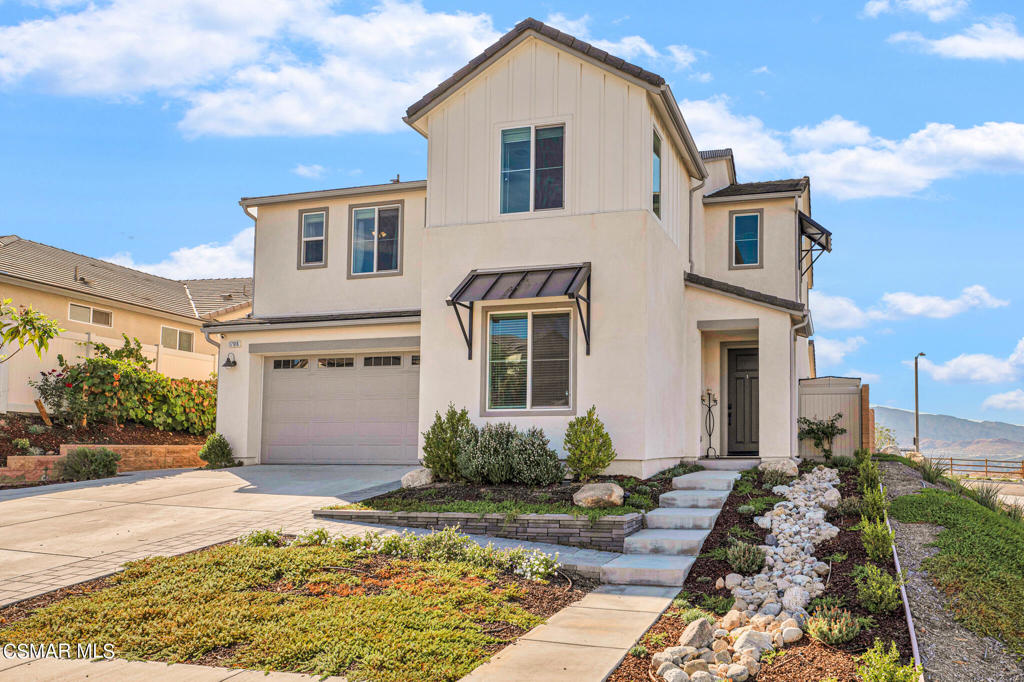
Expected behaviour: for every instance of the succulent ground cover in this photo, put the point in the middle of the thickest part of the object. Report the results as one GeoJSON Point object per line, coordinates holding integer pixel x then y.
{"type": "Point", "coordinates": [331, 609]}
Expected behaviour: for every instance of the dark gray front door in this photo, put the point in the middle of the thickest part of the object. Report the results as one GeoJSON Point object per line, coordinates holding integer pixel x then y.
{"type": "Point", "coordinates": [743, 412]}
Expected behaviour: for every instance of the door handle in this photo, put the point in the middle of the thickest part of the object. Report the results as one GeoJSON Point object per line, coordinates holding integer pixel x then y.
{"type": "Point", "coordinates": [730, 414]}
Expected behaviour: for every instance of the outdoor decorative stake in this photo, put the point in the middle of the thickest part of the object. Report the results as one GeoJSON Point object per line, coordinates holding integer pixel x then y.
{"type": "Point", "coordinates": [708, 400]}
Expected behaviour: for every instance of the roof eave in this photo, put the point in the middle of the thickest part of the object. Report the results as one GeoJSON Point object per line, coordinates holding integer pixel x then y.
{"type": "Point", "coordinates": [341, 192]}
{"type": "Point", "coordinates": [752, 197]}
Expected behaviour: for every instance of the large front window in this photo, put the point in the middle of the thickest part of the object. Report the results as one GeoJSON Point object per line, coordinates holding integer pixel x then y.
{"type": "Point", "coordinates": [375, 239]}
{"type": "Point", "coordinates": [529, 360]}
{"type": "Point", "coordinates": [532, 169]}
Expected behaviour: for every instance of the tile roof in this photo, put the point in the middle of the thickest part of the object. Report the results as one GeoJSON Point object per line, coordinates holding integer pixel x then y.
{"type": "Point", "coordinates": [31, 261]}
{"type": "Point", "coordinates": [767, 187]}
{"type": "Point", "coordinates": [708, 154]}
{"type": "Point", "coordinates": [742, 292]}
{"type": "Point", "coordinates": [318, 317]}
{"type": "Point", "coordinates": [531, 24]}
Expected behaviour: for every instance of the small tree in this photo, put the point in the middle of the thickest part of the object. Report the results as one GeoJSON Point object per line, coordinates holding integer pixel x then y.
{"type": "Point", "coordinates": [25, 327]}
{"type": "Point", "coordinates": [589, 446]}
{"type": "Point", "coordinates": [884, 437]}
{"type": "Point", "coordinates": [444, 439]}
{"type": "Point", "coordinates": [216, 452]}
{"type": "Point", "coordinates": [822, 432]}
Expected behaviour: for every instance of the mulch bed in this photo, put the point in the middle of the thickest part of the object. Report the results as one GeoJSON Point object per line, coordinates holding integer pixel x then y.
{"type": "Point", "coordinates": [807, 659]}
{"type": "Point", "coordinates": [17, 426]}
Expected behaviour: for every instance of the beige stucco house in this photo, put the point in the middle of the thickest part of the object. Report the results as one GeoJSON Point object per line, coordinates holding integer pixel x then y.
{"type": "Point", "coordinates": [570, 247]}
{"type": "Point", "coordinates": [96, 301]}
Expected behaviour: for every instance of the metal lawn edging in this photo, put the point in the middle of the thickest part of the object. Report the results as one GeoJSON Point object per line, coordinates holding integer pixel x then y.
{"type": "Point", "coordinates": [903, 591]}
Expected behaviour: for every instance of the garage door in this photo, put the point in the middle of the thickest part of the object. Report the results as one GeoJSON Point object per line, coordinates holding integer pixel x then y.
{"type": "Point", "coordinates": [341, 409]}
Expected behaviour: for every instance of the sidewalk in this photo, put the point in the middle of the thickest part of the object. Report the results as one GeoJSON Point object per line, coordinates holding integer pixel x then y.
{"type": "Point", "coordinates": [57, 670]}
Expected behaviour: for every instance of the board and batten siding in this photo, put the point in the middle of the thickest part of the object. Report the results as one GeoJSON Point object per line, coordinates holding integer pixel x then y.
{"type": "Point", "coordinates": [821, 398]}
{"type": "Point", "coordinates": [608, 137]}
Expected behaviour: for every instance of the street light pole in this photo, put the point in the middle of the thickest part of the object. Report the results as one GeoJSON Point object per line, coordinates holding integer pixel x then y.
{"type": "Point", "coordinates": [917, 413]}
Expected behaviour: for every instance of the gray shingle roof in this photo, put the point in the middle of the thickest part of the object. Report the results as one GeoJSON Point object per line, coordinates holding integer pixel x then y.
{"type": "Point", "coordinates": [709, 154]}
{"type": "Point", "coordinates": [742, 292]}
{"type": "Point", "coordinates": [34, 262]}
{"type": "Point", "coordinates": [308, 319]}
{"type": "Point", "coordinates": [565, 39]}
{"type": "Point", "coordinates": [767, 187]}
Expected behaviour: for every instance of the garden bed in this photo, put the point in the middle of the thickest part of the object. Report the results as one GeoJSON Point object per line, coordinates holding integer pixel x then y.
{"type": "Point", "coordinates": [805, 659]}
{"type": "Point", "coordinates": [326, 609]}
{"type": "Point", "coordinates": [49, 439]}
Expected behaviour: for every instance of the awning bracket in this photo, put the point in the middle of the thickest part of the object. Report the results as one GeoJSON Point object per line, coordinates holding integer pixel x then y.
{"type": "Point", "coordinates": [584, 316]}
{"type": "Point", "coordinates": [467, 328]}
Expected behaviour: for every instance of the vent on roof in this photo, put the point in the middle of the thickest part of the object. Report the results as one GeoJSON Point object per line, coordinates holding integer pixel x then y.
{"type": "Point", "coordinates": [80, 278]}
{"type": "Point", "coordinates": [226, 297]}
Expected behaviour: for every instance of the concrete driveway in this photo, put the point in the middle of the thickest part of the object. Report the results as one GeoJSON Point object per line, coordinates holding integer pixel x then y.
{"type": "Point", "coordinates": [52, 536]}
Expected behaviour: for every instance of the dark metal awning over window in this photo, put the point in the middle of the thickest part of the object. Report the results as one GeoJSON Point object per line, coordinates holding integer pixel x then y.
{"type": "Point", "coordinates": [514, 283]}
{"type": "Point", "coordinates": [820, 238]}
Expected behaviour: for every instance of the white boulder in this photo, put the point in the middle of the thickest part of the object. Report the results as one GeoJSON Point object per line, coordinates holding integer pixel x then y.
{"type": "Point", "coordinates": [418, 478]}
{"type": "Point", "coordinates": [598, 495]}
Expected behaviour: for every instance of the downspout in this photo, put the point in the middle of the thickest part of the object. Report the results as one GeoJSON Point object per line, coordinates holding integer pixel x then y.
{"type": "Point", "coordinates": [794, 382]}
{"type": "Point", "coordinates": [689, 227]}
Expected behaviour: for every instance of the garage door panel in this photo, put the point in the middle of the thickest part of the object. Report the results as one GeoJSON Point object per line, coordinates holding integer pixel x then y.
{"type": "Point", "coordinates": [343, 415]}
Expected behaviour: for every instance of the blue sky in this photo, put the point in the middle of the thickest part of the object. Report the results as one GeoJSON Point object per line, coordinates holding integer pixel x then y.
{"type": "Point", "coordinates": [128, 130]}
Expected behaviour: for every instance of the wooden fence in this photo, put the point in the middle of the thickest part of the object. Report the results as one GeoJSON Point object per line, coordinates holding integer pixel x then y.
{"type": "Point", "coordinates": [983, 468]}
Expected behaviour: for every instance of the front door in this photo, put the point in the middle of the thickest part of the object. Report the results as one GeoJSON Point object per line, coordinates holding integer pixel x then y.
{"type": "Point", "coordinates": [743, 412]}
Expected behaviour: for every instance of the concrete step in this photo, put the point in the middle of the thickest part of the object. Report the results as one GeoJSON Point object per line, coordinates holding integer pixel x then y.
{"type": "Point", "coordinates": [729, 463]}
{"type": "Point", "coordinates": [693, 498]}
{"type": "Point", "coordinates": [647, 569]}
{"type": "Point", "coordinates": [706, 480]}
{"type": "Point", "coordinates": [665, 541]}
{"type": "Point", "coordinates": [680, 519]}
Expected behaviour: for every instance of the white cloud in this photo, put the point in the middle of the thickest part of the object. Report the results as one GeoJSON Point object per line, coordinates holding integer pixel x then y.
{"type": "Point", "coordinates": [313, 170]}
{"type": "Point", "coordinates": [1011, 400]}
{"type": "Point", "coordinates": [830, 352]}
{"type": "Point", "coordinates": [682, 55]}
{"type": "Point", "coordinates": [935, 10]}
{"type": "Point", "coordinates": [702, 77]}
{"type": "Point", "coordinates": [978, 367]}
{"type": "Point", "coordinates": [840, 312]}
{"type": "Point", "coordinates": [762, 69]}
{"type": "Point", "coordinates": [578, 27]}
{"type": "Point", "coordinates": [714, 125]}
{"type": "Point", "coordinates": [870, 377]}
{"type": "Point", "coordinates": [997, 39]}
{"type": "Point", "coordinates": [213, 259]}
{"type": "Point", "coordinates": [830, 133]}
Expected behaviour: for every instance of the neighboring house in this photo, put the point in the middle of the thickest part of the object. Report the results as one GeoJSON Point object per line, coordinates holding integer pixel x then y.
{"type": "Point", "coordinates": [570, 247]}
{"type": "Point", "coordinates": [97, 301]}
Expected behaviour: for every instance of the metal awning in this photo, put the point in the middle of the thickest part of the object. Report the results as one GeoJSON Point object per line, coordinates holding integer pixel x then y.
{"type": "Point", "coordinates": [514, 283]}
{"type": "Point", "coordinates": [820, 238]}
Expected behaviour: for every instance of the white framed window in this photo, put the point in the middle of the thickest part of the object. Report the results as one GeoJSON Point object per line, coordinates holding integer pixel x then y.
{"type": "Point", "coordinates": [382, 361]}
{"type": "Point", "coordinates": [291, 363]}
{"type": "Point", "coordinates": [746, 249]}
{"type": "Point", "coordinates": [176, 338]}
{"type": "Point", "coordinates": [336, 362]}
{"type": "Point", "coordinates": [656, 175]}
{"type": "Point", "coordinates": [313, 238]}
{"type": "Point", "coordinates": [532, 168]}
{"type": "Point", "coordinates": [376, 236]}
{"type": "Point", "coordinates": [89, 315]}
{"type": "Point", "coordinates": [529, 360]}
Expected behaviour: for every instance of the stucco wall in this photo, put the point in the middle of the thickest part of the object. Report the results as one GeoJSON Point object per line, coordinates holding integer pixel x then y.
{"type": "Point", "coordinates": [282, 288]}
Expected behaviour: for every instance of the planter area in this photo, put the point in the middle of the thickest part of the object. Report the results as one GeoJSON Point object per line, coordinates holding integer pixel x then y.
{"type": "Point", "coordinates": [22, 469]}
{"type": "Point", "coordinates": [798, 617]}
{"type": "Point", "coordinates": [603, 533]}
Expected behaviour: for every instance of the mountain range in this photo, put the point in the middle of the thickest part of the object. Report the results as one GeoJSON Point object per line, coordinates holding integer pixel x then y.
{"type": "Point", "coordinates": [945, 434]}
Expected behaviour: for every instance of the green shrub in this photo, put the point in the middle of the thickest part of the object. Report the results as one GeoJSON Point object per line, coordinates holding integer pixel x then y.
{"type": "Point", "coordinates": [826, 601]}
{"type": "Point", "coordinates": [588, 445]}
{"type": "Point", "coordinates": [763, 504]}
{"type": "Point", "coordinates": [987, 495]}
{"type": "Point", "coordinates": [832, 625]}
{"type": "Point", "coordinates": [773, 477]}
{"type": "Point", "coordinates": [1015, 512]}
{"type": "Point", "coordinates": [877, 591]}
{"type": "Point", "coordinates": [746, 509]}
{"type": "Point", "coordinates": [491, 460]}
{"type": "Point", "coordinates": [22, 444]}
{"type": "Point", "coordinates": [717, 604]}
{"type": "Point", "coordinates": [318, 537]}
{"type": "Point", "coordinates": [843, 463]}
{"type": "Point", "coordinates": [821, 432]}
{"type": "Point", "coordinates": [861, 455]}
{"type": "Point", "coordinates": [640, 651]}
{"type": "Point", "coordinates": [848, 506]}
{"type": "Point", "coordinates": [932, 470]}
{"type": "Point", "coordinates": [445, 438]}
{"type": "Point", "coordinates": [262, 538]}
{"type": "Point", "coordinates": [868, 475]}
{"type": "Point", "coordinates": [533, 461]}
{"type": "Point", "coordinates": [880, 665]}
{"type": "Point", "coordinates": [745, 558]}
{"type": "Point", "coordinates": [87, 464]}
{"type": "Point", "coordinates": [877, 539]}
{"type": "Point", "coordinates": [36, 429]}
{"type": "Point", "coordinates": [874, 505]}
{"type": "Point", "coordinates": [216, 452]}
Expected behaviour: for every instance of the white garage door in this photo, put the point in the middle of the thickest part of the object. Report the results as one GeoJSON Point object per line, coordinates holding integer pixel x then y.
{"type": "Point", "coordinates": [341, 408]}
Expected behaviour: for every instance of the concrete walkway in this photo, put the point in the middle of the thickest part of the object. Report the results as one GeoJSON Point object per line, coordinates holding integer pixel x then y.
{"type": "Point", "coordinates": [62, 670]}
{"type": "Point", "coordinates": [60, 535]}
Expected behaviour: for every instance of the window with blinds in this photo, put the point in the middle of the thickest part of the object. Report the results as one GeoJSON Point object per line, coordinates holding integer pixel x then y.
{"type": "Point", "coordinates": [529, 360]}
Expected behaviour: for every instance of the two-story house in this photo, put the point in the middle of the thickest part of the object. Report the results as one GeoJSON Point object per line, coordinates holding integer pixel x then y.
{"type": "Point", "coordinates": [570, 247]}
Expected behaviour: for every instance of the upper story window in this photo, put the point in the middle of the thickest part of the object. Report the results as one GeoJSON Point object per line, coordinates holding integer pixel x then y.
{"type": "Point", "coordinates": [176, 338]}
{"type": "Point", "coordinates": [313, 238]}
{"type": "Point", "coordinates": [90, 315]}
{"type": "Point", "coordinates": [745, 239]}
{"type": "Point", "coordinates": [376, 233]}
{"type": "Point", "coordinates": [532, 168]}
{"type": "Point", "coordinates": [656, 176]}
{"type": "Point", "coordinates": [529, 361]}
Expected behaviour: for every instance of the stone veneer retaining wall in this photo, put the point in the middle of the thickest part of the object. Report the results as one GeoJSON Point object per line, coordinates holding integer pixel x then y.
{"type": "Point", "coordinates": [32, 468]}
{"type": "Point", "coordinates": [605, 533]}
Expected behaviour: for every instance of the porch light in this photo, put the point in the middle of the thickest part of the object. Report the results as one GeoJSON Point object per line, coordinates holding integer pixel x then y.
{"type": "Point", "coordinates": [230, 361]}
